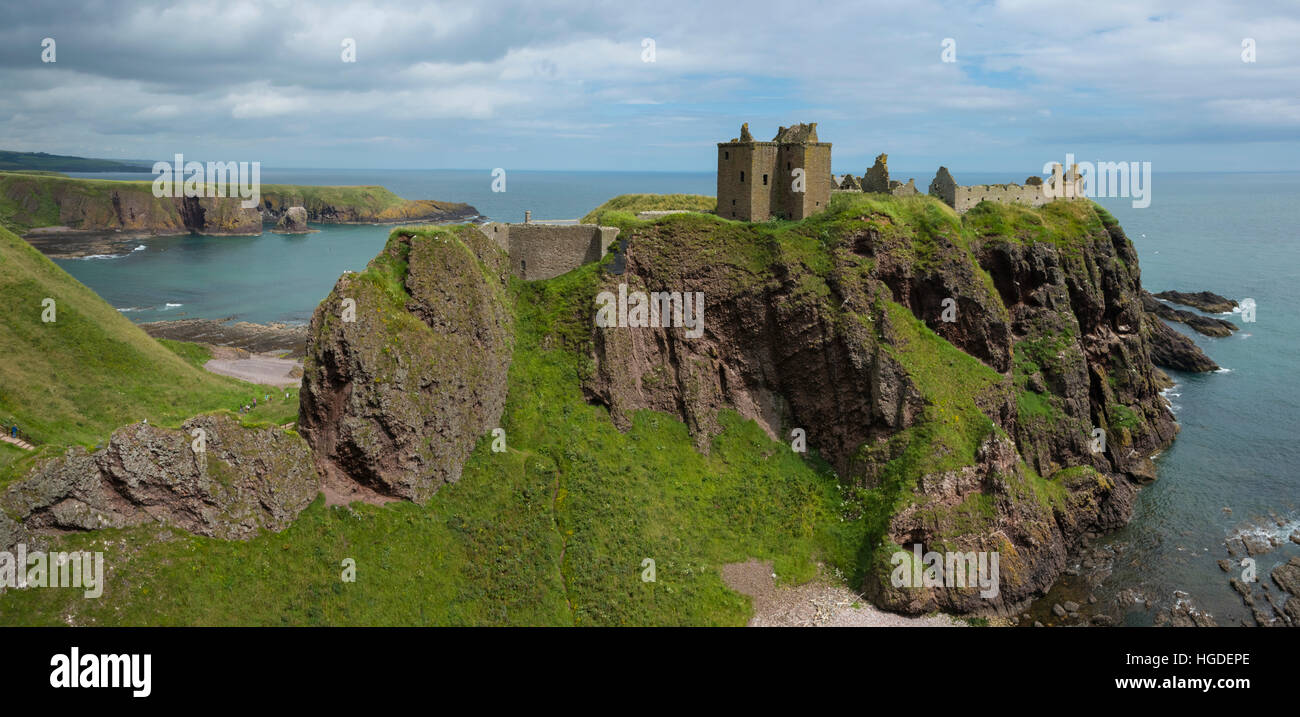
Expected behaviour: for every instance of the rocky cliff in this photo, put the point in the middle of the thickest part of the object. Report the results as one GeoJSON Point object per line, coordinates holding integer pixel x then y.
{"type": "Point", "coordinates": [406, 365]}
{"type": "Point", "coordinates": [92, 205]}
{"type": "Point", "coordinates": [953, 370]}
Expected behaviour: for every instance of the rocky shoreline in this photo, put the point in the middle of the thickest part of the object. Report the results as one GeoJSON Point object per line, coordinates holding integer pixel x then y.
{"type": "Point", "coordinates": [289, 340]}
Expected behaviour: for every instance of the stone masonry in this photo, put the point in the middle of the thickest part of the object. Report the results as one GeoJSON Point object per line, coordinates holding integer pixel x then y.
{"type": "Point", "coordinates": [545, 251]}
{"type": "Point", "coordinates": [758, 181]}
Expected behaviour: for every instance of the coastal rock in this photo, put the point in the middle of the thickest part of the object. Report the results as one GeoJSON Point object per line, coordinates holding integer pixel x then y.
{"type": "Point", "coordinates": [293, 221]}
{"type": "Point", "coordinates": [245, 481]}
{"type": "Point", "coordinates": [89, 208]}
{"type": "Point", "coordinates": [1256, 544]}
{"type": "Point", "coordinates": [1287, 577]}
{"type": "Point", "coordinates": [1207, 325]}
{"type": "Point", "coordinates": [838, 362]}
{"type": "Point", "coordinates": [1206, 301]}
{"type": "Point", "coordinates": [406, 366]}
{"type": "Point", "coordinates": [1171, 349]}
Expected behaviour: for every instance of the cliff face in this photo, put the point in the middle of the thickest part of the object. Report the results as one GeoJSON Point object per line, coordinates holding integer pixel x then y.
{"type": "Point", "coordinates": [105, 205]}
{"type": "Point", "coordinates": [965, 431]}
{"type": "Point", "coordinates": [399, 386]}
{"type": "Point", "coordinates": [246, 481]}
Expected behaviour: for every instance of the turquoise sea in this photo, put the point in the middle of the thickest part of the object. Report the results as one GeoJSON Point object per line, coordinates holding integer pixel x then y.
{"type": "Point", "coordinates": [1233, 234]}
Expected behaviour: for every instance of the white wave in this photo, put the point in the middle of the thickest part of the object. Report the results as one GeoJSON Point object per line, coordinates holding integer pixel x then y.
{"type": "Point", "coordinates": [102, 256]}
{"type": "Point", "coordinates": [1224, 370]}
{"type": "Point", "coordinates": [139, 248]}
{"type": "Point", "coordinates": [170, 305]}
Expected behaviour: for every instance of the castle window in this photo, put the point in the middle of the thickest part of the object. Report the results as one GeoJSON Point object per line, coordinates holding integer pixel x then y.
{"type": "Point", "coordinates": [742, 176]}
{"type": "Point", "coordinates": [726, 155]}
{"type": "Point", "coordinates": [764, 180]}
{"type": "Point", "coordinates": [733, 202]}
{"type": "Point", "coordinates": [787, 165]}
{"type": "Point", "coordinates": [523, 267]}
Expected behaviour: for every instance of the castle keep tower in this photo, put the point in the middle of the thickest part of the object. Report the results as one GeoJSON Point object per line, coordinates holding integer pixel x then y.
{"type": "Point", "coordinates": [757, 180]}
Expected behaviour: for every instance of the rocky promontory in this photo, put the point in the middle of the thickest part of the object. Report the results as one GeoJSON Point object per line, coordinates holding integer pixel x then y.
{"type": "Point", "coordinates": [70, 208]}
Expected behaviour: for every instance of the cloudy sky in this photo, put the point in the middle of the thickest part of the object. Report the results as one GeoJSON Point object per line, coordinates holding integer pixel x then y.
{"type": "Point", "coordinates": [565, 85]}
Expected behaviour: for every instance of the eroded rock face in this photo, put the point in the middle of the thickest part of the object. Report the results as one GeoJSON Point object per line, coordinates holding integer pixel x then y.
{"type": "Point", "coordinates": [394, 400]}
{"type": "Point", "coordinates": [1060, 329]}
{"type": "Point", "coordinates": [294, 221]}
{"type": "Point", "coordinates": [244, 482]}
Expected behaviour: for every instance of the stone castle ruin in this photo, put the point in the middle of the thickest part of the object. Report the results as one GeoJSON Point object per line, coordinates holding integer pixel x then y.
{"type": "Point", "coordinates": [787, 178]}
{"type": "Point", "coordinates": [1031, 193]}
{"type": "Point", "coordinates": [542, 250]}
{"type": "Point", "coordinates": [757, 180]}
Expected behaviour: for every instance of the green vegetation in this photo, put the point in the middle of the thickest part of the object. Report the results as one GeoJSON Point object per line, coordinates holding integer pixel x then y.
{"type": "Point", "coordinates": [194, 354]}
{"type": "Point", "coordinates": [555, 530]}
{"type": "Point", "coordinates": [45, 163]}
{"type": "Point", "coordinates": [1068, 224]}
{"type": "Point", "coordinates": [76, 379]}
{"type": "Point", "coordinates": [552, 532]}
{"type": "Point", "coordinates": [630, 204]}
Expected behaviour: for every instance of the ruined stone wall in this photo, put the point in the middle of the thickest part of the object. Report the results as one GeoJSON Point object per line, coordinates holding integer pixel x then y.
{"type": "Point", "coordinates": [545, 251]}
{"type": "Point", "coordinates": [967, 197]}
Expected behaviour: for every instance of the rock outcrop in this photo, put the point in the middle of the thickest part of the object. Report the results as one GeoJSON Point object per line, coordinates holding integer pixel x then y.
{"type": "Point", "coordinates": [74, 206]}
{"type": "Point", "coordinates": [981, 442]}
{"type": "Point", "coordinates": [406, 366]}
{"type": "Point", "coordinates": [293, 221]}
{"type": "Point", "coordinates": [243, 482]}
{"type": "Point", "coordinates": [1171, 349]}
{"type": "Point", "coordinates": [1207, 325]}
{"type": "Point", "coordinates": [1206, 301]}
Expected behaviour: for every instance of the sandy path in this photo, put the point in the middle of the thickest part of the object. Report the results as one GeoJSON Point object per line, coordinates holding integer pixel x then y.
{"type": "Point", "coordinates": [258, 368]}
{"type": "Point", "coordinates": [813, 604]}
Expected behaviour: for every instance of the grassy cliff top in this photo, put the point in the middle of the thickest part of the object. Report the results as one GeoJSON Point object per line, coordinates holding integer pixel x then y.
{"type": "Point", "coordinates": [630, 204]}
{"type": "Point", "coordinates": [33, 199]}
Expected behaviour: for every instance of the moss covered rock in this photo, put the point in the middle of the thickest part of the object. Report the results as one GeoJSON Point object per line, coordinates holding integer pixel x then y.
{"type": "Point", "coordinates": [406, 365]}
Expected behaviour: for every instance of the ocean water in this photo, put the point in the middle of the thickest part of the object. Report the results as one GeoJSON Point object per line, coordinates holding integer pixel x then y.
{"type": "Point", "coordinates": [1233, 234]}
{"type": "Point", "coordinates": [275, 277]}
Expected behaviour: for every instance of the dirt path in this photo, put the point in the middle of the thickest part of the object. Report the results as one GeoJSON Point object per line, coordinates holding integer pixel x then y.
{"type": "Point", "coordinates": [259, 368]}
{"type": "Point", "coordinates": [18, 442]}
{"type": "Point", "coordinates": [814, 604]}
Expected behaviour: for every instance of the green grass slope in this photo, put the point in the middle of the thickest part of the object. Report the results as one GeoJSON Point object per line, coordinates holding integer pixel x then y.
{"type": "Point", "coordinates": [630, 204]}
{"type": "Point", "coordinates": [74, 380]}
{"type": "Point", "coordinates": [554, 531]}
